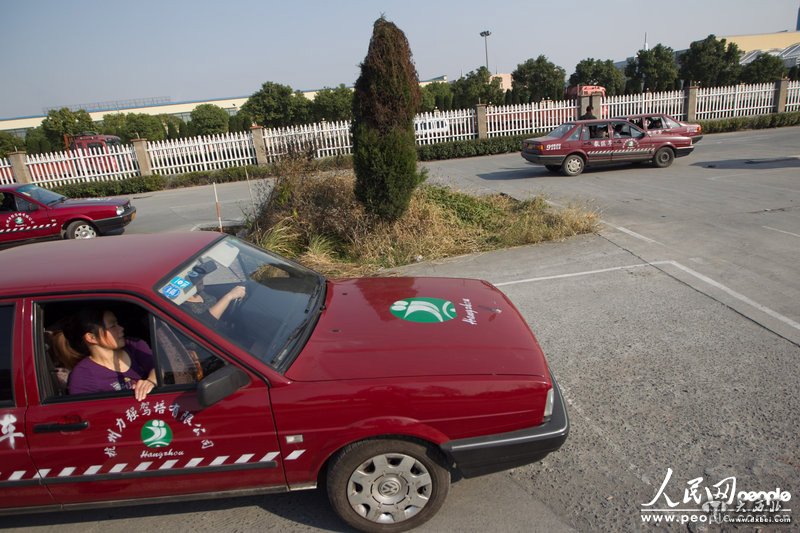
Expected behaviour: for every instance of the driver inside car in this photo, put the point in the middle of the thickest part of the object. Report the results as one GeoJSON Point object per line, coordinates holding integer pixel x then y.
{"type": "Point", "coordinates": [202, 303]}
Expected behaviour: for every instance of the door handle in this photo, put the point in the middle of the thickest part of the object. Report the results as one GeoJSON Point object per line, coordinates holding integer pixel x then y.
{"type": "Point", "coordinates": [57, 428]}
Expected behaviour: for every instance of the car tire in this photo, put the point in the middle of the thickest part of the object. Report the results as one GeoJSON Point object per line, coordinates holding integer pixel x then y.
{"type": "Point", "coordinates": [664, 157]}
{"type": "Point", "coordinates": [387, 485]}
{"type": "Point", "coordinates": [80, 229]}
{"type": "Point", "coordinates": [553, 168]}
{"type": "Point", "coordinates": [572, 165]}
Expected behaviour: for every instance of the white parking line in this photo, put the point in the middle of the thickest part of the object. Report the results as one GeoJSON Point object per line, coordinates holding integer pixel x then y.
{"type": "Point", "coordinates": [742, 298]}
{"type": "Point", "coordinates": [781, 231]}
{"type": "Point", "coordinates": [632, 233]}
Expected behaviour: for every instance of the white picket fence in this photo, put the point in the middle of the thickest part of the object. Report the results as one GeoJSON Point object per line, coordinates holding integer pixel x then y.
{"type": "Point", "coordinates": [212, 152]}
{"type": "Point", "coordinates": [75, 166]}
{"type": "Point", "coordinates": [527, 118]}
{"type": "Point", "coordinates": [6, 172]}
{"type": "Point", "coordinates": [793, 96]}
{"type": "Point", "coordinates": [735, 101]}
{"type": "Point", "coordinates": [672, 103]}
{"type": "Point", "coordinates": [445, 126]}
{"type": "Point", "coordinates": [326, 139]}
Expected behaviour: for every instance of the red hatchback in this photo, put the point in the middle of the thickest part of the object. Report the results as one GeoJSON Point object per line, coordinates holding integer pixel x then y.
{"type": "Point", "coordinates": [254, 374]}
{"type": "Point", "coordinates": [29, 212]}
{"type": "Point", "coordinates": [575, 145]}
{"type": "Point", "coordinates": [661, 124]}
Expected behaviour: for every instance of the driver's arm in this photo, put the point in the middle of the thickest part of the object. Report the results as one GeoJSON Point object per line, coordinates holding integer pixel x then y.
{"type": "Point", "coordinates": [222, 304]}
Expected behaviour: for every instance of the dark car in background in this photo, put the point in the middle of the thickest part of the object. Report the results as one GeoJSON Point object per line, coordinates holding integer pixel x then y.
{"type": "Point", "coordinates": [661, 124]}
{"type": "Point", "coordinates": [575, 145]}
{"type": "Point", "coordinates": [29, 212]}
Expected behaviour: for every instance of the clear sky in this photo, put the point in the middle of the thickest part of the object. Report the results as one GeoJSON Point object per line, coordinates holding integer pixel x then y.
{"type": "Point", "coordinates": [67, 52]}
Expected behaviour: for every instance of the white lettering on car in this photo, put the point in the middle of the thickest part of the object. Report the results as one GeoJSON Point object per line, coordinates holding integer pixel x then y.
{"type": "Point", "coordinates": [556, 146]}
{"type": "Point", "coordinates": [9, 431]}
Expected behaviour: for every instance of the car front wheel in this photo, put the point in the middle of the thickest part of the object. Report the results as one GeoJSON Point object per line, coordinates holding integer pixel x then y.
{"type": "Point", "coordinates": [80, 229]}
{"type": "Point", "coordinates": [663, 158]}
{"type": "Point", "coordinates": [386, 486]}
{"type": "Point", "coordinates": [572, 165]}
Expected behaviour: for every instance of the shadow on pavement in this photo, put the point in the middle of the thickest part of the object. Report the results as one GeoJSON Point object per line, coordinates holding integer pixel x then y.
{"type": "Point", "coordinates": [752, 164]}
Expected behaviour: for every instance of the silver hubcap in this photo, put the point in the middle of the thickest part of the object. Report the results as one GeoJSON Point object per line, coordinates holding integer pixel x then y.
{"type": "Point", "coordinates": [389, 488]}
{"type": "Point", "coordinates": [574, 165]}
{"type": "Point", "coordinates": [85, 231]}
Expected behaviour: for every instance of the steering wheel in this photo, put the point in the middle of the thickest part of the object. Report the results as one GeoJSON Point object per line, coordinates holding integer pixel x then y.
{"type": "Point", "coordinates": [230, 316]}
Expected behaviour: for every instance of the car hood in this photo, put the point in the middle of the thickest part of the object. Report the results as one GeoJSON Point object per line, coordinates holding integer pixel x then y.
{"type": "Point", "coordinates": [396, 327]}
{"type": "Point", "coordinates": [90, 202]}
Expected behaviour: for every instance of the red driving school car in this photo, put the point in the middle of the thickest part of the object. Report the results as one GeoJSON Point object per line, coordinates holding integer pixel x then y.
{"type": "Point", "coordinates": [255, 374]}
{"type": "Point", "coordinates": [29, 212]}
{"type": "Point", "coordinates": [576, 145]}
{"type": "Point", "coordinates": [659, 123]}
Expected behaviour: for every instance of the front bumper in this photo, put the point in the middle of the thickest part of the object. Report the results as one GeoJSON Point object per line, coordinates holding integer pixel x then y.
{"type": "Point", "coordinates": [477, 456]}
{"type": "Point", "coordinates": [114, 225]}
{"type": "Point", "coordinates": [539, 159]}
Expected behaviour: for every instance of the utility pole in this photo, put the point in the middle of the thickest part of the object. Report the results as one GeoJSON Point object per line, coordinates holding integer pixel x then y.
{"type": "Point", "coordinates": [485, 34]}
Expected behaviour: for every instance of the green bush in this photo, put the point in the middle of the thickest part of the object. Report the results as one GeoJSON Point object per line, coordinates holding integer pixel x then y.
{"type": "Point", "coordinates": [773, 120]}
{"type": "Point", "coordinates": [472, 148]}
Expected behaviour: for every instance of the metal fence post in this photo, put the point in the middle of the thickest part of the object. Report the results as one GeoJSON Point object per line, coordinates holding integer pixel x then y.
{"type": "Point", "coordinates": [691, 103]}
{"type": "Point", "coordinates": [261, 148]}
{"type": "Point", "coordinates": [140, 151]}
{"type": "Point", "coordinates": [781, 95]}
{"type": "Point", "coordinates": [21, 174]}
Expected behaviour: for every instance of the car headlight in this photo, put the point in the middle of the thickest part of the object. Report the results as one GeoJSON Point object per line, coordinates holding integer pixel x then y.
{"type": "Point", "coordinates": [120, 209]}
{"type": "Point", "coordinates": [548, 405]}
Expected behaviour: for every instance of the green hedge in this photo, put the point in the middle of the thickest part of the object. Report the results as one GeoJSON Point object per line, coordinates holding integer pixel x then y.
{"type": "Point", "coordinates": [431, 152]}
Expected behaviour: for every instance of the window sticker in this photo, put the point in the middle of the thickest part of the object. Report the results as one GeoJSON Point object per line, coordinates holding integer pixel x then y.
{"type": "Point", "coordinates": [171, 291]}
{"type": "Point", "coordinates": [181, 283]}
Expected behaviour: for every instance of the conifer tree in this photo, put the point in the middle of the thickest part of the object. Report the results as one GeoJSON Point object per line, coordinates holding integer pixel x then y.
{"type": "Point", "coordinates": [386, 99]}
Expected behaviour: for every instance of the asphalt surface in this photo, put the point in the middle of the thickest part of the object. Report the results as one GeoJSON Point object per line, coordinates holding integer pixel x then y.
{"type": "Point", "coordinates": [674, 333]}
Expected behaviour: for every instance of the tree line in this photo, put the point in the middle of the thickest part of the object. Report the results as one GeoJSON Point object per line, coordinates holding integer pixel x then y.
{"type": "Point", "coordinates": [710, 62]}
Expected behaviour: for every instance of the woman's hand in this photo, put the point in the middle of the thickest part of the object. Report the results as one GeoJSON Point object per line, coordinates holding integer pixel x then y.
{"type": "Point", "coordinates": [142, 388]}
{"type": "Point", "coordinates": [237, 293]}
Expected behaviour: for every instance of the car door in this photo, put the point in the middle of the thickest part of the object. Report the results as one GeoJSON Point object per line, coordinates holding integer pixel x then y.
{"type": "Point", "coordinates": [19, 477]}
{"type": "Point", "coordinates": [628, 143]}
{"type": "Point", "coordinates": [109, 446]}
{"type": "Point", "coordinates": [596, 143]}
{"type": "Point", "coordinates": [24, 218]}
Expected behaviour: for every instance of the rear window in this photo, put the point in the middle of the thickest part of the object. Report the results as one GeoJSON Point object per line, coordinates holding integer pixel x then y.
{"type": "Point", "coordinates": [6, 335]}
{"type": "Point", "coordinates": [560, 131]}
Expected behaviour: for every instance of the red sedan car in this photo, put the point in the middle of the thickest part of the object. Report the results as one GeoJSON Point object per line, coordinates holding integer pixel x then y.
{"type": "Point", "coordinates": [659, 123]}
{"type": "Point", "coordinates": [575, 145]}
{"type": "Point", "coordinates": [29, 212]}
{"type": "Point", "coordinates": [263, 377]}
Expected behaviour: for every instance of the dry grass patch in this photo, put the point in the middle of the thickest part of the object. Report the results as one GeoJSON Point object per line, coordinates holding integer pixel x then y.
{"type": "Point", "coordinates": [317, 221]}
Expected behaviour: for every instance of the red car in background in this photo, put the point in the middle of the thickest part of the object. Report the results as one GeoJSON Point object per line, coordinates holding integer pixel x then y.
{"type": "Point", "coordinates": [378, 388]}
{"type": "Point", "coordinates": [575, 145]}
{"type": "Point", "coordinates": [29, 212]}
{"type": "Point", "coordinates": [659, 123]}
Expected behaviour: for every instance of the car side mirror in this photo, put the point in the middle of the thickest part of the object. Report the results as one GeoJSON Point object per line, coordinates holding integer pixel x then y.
{"type": "Point", "coordinates": [221, 384]}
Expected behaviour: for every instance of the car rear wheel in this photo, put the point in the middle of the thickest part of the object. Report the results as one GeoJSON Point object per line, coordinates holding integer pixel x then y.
{"type": "Point", "coordinates": [664, 157]}
{"type": "Point", "coordinates": [80, 229]}
{"type": "Point", "coordinates": [386, 486]}
{"type": "Point", "coordinates": [553, 168]}
{"type": "Point", "coordinates": [572, 165]}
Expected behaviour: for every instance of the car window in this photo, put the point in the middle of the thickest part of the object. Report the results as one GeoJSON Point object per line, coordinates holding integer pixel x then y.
{"type": "Point", "coordinates": [39, 194]}
{"type": "Point", "coordinates": [6, 351]}
{"type": "Point", "coordinates": [575, 134]}
{"type": "Point", "coordinates": [149, 341]}
{"type": "Point", "coordinates": [7, 202]}
{"type": "Point", "coordinates": [622, 130]}
{"type": "Point", "coordinates": [257, 300]}
{"type": "Point", "coordinates": [560, 131]}
{"type": "Point", "coordinates": [598, 131]}
{"type": "Point", "coordinates": [654, 123]}
{"type": "Point", "coordinates": [669, 123]}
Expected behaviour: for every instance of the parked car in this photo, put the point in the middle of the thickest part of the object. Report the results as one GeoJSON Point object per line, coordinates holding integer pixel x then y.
{"type": "Point", "coordinates": [659, 123]}
{"type": "Point", "coordinates": [29, 212]}
{"type": "Point", "coordinates": [575, 145]}
{"type": "Point", "coordinates": [380, 388]}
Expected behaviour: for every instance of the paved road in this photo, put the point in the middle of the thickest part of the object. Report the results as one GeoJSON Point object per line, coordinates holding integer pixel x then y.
{"type": "Point", "coordinates": [673, 333]}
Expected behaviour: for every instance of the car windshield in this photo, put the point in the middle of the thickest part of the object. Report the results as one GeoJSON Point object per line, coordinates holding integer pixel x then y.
{"type": "Point", "coordinates": [263, 303]}
{"type": "Point", "coordinates": [41, 195]}
{"type": "Point", "coordinates": [560, 131]}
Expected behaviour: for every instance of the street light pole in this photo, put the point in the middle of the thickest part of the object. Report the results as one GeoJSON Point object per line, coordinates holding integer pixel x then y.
{"type": "Point", "coordinates": [485, 34]}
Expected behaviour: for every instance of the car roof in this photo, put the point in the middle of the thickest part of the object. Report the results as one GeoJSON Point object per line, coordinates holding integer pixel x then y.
{"type": "Point", "coordinates": [11, 186]}
{"type": "Point", "coordinates": [123, 263]}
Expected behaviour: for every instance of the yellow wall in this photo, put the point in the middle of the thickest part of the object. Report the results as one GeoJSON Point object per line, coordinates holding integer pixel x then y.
{"type": "Point", "coordinates": [764, 41]}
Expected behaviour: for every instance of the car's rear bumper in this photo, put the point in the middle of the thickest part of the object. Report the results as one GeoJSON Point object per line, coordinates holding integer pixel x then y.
{"type": "Point", "coordinates": [696, 139]}
{"type": "Point", "coordinates": [113, 225]}
{"type": "Point", "coordinates": [543, 159]}
{"type": "Point", "coordinates": [684, 150]}
{"type": "Point", "coordinates": [493, 453]}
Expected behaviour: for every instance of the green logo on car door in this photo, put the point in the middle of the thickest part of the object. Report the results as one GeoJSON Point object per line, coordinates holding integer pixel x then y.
{"type": "Point", "coordinates": [426, 310]}
{"type": "Point", "coordinates": [156, 434]}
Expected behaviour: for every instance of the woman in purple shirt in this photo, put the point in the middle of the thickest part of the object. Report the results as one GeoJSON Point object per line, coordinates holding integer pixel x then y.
{"type": "Point", "coordinates": [112, 363]}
